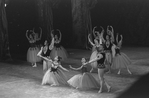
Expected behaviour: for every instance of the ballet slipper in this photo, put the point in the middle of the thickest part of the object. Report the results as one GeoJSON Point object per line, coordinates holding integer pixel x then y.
{"type": "Point", "coordinates": [119, 72]}
{"type": "Point", "coordinates": [100, 91]}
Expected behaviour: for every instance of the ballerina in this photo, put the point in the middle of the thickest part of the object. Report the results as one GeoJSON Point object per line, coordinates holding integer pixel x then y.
{"type": "Point", "coordinates": [32, 51]}
{"type": "Point", "coordinates": [38, 45]}
{"type": "Point", "coordinates": [120, 60]}
{"type": "Point", "coordinates": [84, 80]}
{"type": "Point", "coordinates": [55, 75]}
{"type": "Point", "coordinates": [58, 50]}
{"type": "Point", "coordinates": [94, 52]}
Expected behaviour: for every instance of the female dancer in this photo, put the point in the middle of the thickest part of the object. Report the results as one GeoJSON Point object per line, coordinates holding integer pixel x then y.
{"type": "Point", "coordinates": [32, 51]}
{"type": "Point", "coordinates": [58, 50]}
{"type": "Point", "coordinates": [110, 33]}
{"type": "Point", "coordinates": [120, 60]}
{"type": "Point", "coordinates": [94, 52]}
{"type": "Point", "coordinates": [100, 59]}
{"type": "Point", "coordinates": [38, 45]}
{"type": "Point", "coordinates": [45, 53]}
{"type": "Point", "coordinates": [84, 80]}
{"type": "Point", "coordinates": [55, 75]}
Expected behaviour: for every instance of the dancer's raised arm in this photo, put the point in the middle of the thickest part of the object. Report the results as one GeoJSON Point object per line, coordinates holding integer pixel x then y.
{"type": "Point", "coordinates": [117, 38]}
{"type": "Point", "coordinates": [94, 31]}
{"type": "Point", "coordinates": [112, 34]}
{"type": "Point", "coordinates": [90, 40]}
{"type": "Point", "coordinates": [60, 35]}
{"type": "Point", "coordinates": [40, 33]}
{"type": "Point", "coordinates": [27, 35]}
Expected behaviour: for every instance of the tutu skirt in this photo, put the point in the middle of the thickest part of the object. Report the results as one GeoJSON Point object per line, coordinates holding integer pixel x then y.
{"type": "Point", "coordinates": [121, 61]}
{"type": "Point", "coordinates": [46, 65]}
{"type": "Point", "coordinates": [54, 78]}
{"type": "Point", "coordinates": [83, 81]}
{"type": "Point", "coordinates": [93, 56]}
{"type": "Point", "coordinates": [32, 54]}
{"type": "Point", "coordinates": [59, 52]}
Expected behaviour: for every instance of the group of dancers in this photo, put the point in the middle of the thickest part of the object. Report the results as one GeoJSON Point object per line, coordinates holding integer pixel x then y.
{"type": "Point", "coordinates": [35, 37]}
{"type": "Point", "coordinates": [105, 55]}
{"type": "Point", "coordinates": [115, 59]}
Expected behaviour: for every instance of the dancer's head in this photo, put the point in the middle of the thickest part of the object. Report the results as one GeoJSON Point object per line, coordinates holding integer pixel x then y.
{"type": "Point", "coordinates": [45, 42]}
{"type": "Point", "coordinates": [83, 60]}
{"type": "Point", "coordinates": [58, 58]}
{"type": "Point", "coordinates": [107, 37]}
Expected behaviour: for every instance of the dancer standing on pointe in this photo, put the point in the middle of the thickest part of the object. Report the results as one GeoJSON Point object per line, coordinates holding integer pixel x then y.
{"type": "Point", "coordinates": [84, 80]}
{"type": "Point", "coordinates": [58, 50]}
{"type": "Point", "coordinates": [100, 59]}
{"type": "Point", "coordinates": [120, 60]}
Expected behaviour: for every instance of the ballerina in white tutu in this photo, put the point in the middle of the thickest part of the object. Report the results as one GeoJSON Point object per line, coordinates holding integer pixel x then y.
{"type": "Point", "coordinates": [37, 43]}
{"type": "Point", "coordinates": [58, 49]}
{"type": "Point", "coordinates": [83, 80]}
{"type": "Point", "coordinates": [55, 75]}
{"type": "Point", "coordinates": [121, 60]}
{"type": "Point", "coordinates": [32, 51]}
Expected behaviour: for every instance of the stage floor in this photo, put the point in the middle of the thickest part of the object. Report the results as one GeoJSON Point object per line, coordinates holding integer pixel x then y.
{"type": "Point", "coordinates": [18, 79]}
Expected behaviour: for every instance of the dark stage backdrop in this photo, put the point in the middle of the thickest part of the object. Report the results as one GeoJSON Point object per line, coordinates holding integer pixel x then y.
{"type": "Point", "coordinates": [128, 17]}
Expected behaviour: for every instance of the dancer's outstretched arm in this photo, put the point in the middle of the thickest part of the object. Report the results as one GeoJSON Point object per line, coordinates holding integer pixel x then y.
{"type": "Point", "coordinates": [75, 68]}
{"type": "Point", "coordinates": [63, 68]}
{"type": "Point", "coordinates": [99, 56]}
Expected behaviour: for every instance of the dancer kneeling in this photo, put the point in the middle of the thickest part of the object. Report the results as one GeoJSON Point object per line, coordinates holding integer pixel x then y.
{"type": "Point", "coordinates": [84, 80]}
{"type": "Point", "coordinates": [55, 75]}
